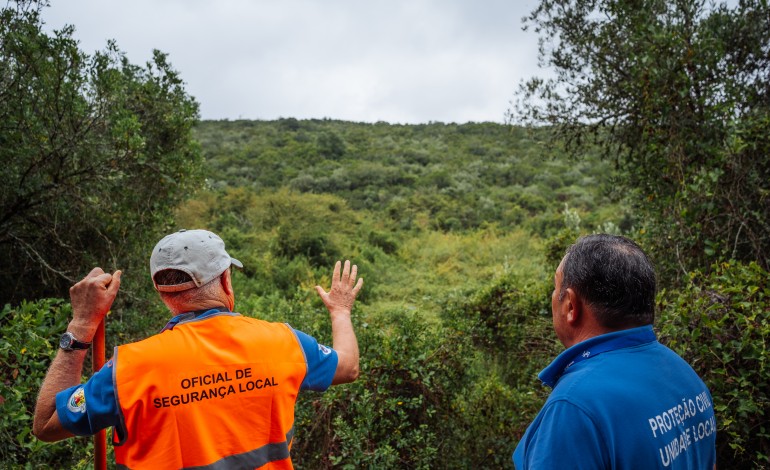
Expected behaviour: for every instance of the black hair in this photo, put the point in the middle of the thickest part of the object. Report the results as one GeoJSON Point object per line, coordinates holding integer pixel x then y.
{"type": "Point", "coordinates": [171, 277]}
{"type": "Point", "coordinates": [614, 277]}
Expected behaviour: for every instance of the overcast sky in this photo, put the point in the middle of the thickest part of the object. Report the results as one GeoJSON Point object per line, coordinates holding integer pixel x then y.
{"type": "Point", "coordinates": [400, 61]}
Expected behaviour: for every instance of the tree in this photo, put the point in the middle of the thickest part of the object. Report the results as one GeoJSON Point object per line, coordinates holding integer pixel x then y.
{"type": "Point", "coordinates": [96, 153]}
{"type": "Point", "coordinates": [678, 93]}
{"type": "Point", "coordinates": [331, 145]}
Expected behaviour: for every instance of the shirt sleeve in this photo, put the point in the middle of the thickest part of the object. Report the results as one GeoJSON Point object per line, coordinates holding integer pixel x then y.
{"type": "Point", "coordinates": [90, 407]}
{"type": "Point", "coordinates": [321, 363]}
{"type": "Point", "coordinates": [562, 432]}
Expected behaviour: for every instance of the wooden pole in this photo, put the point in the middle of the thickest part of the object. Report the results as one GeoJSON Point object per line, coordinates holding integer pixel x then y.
{"type": "Point", "coordinates": [97, 361]}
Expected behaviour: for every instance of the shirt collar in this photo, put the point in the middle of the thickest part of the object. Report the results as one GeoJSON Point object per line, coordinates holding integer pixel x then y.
{"type": "Point", "coordinates": [194, 315]}
{"type": "Point", "coordinates": [592, 347]}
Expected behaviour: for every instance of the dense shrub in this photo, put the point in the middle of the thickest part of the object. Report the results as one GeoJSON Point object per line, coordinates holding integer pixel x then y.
{"type": "Point", "coordinates": [28, 342]}
{"type": "Point", "coordinates": [507, 327]}
{"type": "Point", "coordinates": [392, 416]}
{"type": "Point", "coordinates": [720, 323]}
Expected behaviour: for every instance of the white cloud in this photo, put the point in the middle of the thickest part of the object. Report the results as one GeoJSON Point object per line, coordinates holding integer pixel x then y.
{"type": "Point", "coordinates": [396, 61]}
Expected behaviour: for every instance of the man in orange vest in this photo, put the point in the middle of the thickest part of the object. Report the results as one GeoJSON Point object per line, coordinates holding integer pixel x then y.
{"type": "Point", "coordinates": [213, 389]}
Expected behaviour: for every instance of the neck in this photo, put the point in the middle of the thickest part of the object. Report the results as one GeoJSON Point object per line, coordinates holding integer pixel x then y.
{"type": "Point", "coordinates": [586, 329]}
{"type": "Point", "coordinates": [206, 305]}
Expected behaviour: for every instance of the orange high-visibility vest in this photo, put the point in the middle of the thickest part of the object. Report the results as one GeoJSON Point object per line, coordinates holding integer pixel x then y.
{"type": "Point", "coordinates": [217, 392]}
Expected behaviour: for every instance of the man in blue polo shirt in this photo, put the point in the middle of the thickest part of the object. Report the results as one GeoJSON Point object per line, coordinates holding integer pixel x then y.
{"type": "Point", "coordinates": [620, 399]}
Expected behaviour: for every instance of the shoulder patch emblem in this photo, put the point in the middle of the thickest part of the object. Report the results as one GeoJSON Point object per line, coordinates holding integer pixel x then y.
{"type": "Point", "coordinates": [77, 401]}
{"type": "Point", "coordinates": [324, 349]}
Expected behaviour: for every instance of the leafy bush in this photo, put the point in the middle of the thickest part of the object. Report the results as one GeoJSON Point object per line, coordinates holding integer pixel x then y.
{"type": "Point", "coordinates": [28, 342]}
{"type": "Point", "coordinates": [720, 323]}
{"type": "Point", "coordinates": [301, 241]}
{"type": "Point", "coordinates": [392, 416]}
{"type": "Point", "coordinates": [509, 337]}
{"type": "Point", "coordinates": [384, 241]}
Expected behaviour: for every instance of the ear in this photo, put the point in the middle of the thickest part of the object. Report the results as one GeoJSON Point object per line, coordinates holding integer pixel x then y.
{"type": "Point", "coordinates": [227, 289]}
{"type": "Point", "coordinates": [574, 307]}
{"type": "Point", "coordinates": [227, 282]}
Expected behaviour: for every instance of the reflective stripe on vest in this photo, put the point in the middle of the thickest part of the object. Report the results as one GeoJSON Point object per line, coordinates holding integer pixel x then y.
{"type": "Point", "coordinates": [253, 459]}
{"type": "Point", "coordinates": [217, 393]}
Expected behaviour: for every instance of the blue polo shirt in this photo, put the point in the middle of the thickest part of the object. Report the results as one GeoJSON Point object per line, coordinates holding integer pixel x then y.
{"type": "Point", "coordinates": [624, 401]}
{"type": "Point", "coordinates": [88, 408]}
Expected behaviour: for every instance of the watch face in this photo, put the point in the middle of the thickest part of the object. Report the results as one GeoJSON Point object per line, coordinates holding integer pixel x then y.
{"type": "Point", "coordinates": [65, 341]}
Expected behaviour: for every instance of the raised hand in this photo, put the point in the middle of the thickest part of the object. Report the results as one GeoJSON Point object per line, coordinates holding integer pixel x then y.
{"type": "Point", "coordinates": [339, 301]}
{"type": "Point", "coordinates": [340, 298]}
{"type": "Point", "coordinates": [91, 299]}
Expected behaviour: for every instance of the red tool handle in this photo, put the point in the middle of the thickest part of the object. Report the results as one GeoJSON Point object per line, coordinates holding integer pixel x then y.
{"type": "Point", "coordinates": [97, 361]}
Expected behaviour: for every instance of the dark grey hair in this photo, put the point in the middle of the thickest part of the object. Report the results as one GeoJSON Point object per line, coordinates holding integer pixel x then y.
{"type": "Point", "coordinates": [170, 277]}
{"type": "Point", "coordinates": [614, 277]}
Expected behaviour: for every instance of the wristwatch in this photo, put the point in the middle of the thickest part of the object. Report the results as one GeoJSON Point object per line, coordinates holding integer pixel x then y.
{"type": "Point", "coordinates": [68, 342]}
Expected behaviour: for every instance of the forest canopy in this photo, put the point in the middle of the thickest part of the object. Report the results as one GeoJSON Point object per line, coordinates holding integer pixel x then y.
{"type": "Point", "coordinates": [678, 94]}
{"type": "Point", "coordinates": [92, 148]}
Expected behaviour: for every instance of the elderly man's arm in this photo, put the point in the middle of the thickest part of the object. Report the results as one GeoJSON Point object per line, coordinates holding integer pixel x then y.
{"type": "Point", "coordinates": [91, 299]}
{"type": "Point", "coordinates": [339, 301]}
{"type": "Point", "coordinates": [65, 372]}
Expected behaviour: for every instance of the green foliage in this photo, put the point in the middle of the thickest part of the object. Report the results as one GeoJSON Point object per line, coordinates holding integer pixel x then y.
{"type": "Point", "coordinates": [489, 418]}
{"type": "Point", "coordinates": [508, 339]}
{"type": "Point", "coordinates": [389, 418]}
{"type": "Point", "coordinates": [720, 323]}
{"type": "Point", "coordinates": [425, 399]}
{"type": "Point", "coordinates": [28, 341]}
{"type": "Point", "coordinates": [436, 176]}
{"type": "Point", "coordinates": [677, 94]}
{"type": "Point", "coordinates": [383, 241]}
{"type": "Point", "coordinates": [330, 145]}
{"type": "Point", "coordinates": [92, 148]}
{"type": "Point", "coordinates": [492, 317]}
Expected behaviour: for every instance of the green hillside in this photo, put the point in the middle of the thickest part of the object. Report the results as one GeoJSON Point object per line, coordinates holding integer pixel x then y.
{"type": "Point", "coordinates": [424, 209]}
{"type": "Point", "coordinates": [432, 176]}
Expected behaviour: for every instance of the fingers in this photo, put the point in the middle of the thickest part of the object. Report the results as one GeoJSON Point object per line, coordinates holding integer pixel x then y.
{"type": "Point", "coordinates": [103, 280]}
{"type": "Point", "coordinates": [344, 276]}
{"type": "Point", "coordinates": [98, 278]}
{"type": "Point", "coordinates": [346, 271]}
{"type": "Point", "coordinates": [96, 272]}
{"type": "Point", "coordinates": [336, 274]}
{"type": "Point", "coordinates": [358, 287]}
{"type": "Point", "coordinates": [321, 291]}
{"type": "Point", "coordinates": [114, 283]}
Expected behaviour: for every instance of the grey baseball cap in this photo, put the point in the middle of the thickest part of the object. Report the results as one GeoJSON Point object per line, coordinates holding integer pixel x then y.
{"type": "Point", "coordinates": [199, 253]}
